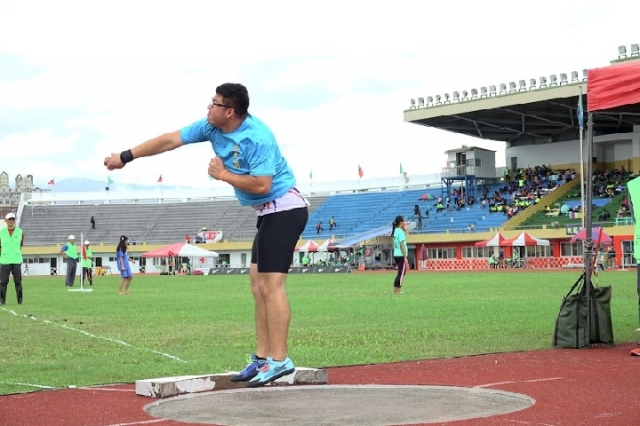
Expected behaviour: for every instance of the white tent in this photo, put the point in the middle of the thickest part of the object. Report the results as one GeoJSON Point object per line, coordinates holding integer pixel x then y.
{"type": "Point", "coordinates": [182, 250]}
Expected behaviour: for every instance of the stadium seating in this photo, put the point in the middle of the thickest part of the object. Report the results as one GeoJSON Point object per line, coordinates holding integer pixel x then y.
{"type": "Point", "coordinates": [170, 222]}
{"type": "Point", "coordinates": [151, 223]}
{"type": "Point", "coordinates": [357, 213]}
{"type": "Point", "coordinates": [611, 205]}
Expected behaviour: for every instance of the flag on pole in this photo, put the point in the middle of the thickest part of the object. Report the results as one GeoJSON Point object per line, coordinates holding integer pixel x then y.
{"type": "Point", "coordinates": [51, 182]}
{"type": "Point", "coordinates": [311, 174]}
{"type": "Point", "coordinates": [580, 111]}
{"type": "Point", "coordinates": [160, 179]}
{"type": "Point", "coordinates": [360, 172]}
{"type": "Point", "coordinates": [109, 181]}
{"type": "Point", "coordinates": [401, 169]}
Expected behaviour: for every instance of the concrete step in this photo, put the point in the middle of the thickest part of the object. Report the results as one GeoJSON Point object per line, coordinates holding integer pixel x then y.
{"type": "Point", "coordinates": [171, 386]}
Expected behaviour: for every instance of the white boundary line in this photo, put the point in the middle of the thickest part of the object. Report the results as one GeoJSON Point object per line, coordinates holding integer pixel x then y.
{"type": "Point", "coordinates": [143, 422]}
{"type": "Point", "coordinates": [120, 342]}
{"type": "Point", "coordinates": [30, 385]}
{"type": "Point", "coordinates": [518, 381]}
{"type": "Point", "coordinates": [92, 388]}
{"type": "Point", "coordinates": [527, 423]}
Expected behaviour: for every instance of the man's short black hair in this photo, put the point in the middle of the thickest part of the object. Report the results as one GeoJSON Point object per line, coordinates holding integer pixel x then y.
{"type": "Point", "coordinates": [235, 95]}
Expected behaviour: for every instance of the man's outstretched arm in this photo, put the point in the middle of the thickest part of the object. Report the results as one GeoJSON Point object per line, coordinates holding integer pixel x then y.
{"type": "Point", "coordinates": [155, 146]}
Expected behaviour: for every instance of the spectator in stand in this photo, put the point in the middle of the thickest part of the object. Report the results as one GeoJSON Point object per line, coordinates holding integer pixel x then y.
{"type": "Point", "coordinates": [93, 222]}
{"type": "Point", "coordinates": [319, 228]}
{"type": "Point", "coordinates": [332, 223]}
{"type": "Point", "coordinates": [418, 214]}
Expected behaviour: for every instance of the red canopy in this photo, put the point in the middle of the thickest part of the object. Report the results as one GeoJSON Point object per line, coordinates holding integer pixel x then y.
{"type": "Point", "coordinates": [525, 239]}
{"type": "Point", "coordinates": [308, 247]}
{"type": "Point", "coordinates": [496, 241]}
{"type": "Point", "coordinates": [613, 86]}
{"type": "Point", "coordinates": [596, 233]}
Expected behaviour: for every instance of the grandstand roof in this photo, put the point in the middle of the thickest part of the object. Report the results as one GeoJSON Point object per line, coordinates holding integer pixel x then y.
{"type": "Point", "coordinates": [521, 116]}
{"type": "Point", "coordinates": [467, 148]}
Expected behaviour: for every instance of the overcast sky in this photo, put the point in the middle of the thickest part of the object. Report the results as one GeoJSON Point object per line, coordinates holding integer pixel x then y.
{"type": "Point", "coordinates": [81, 79]}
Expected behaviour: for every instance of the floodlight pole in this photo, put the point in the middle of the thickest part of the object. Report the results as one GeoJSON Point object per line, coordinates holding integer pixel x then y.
{"type": "Point", "coordinates": [582, 177]}
{"type": "Point", "coordinates": [81, 259]}
{"type": "Point", "coordinates": [588, 242]}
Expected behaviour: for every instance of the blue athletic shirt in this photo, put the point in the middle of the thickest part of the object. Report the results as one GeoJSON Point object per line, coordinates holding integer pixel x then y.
{"type": "Point", "coordinates": [125, 260]}
{"type": "Point", "coordinates": [251, 149]}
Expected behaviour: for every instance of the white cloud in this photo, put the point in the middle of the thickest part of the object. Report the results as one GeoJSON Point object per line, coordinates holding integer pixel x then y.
{"type": "Point", "coordinates": [330, 78]}
{"type": "Point", "coordinates": [43, 142]}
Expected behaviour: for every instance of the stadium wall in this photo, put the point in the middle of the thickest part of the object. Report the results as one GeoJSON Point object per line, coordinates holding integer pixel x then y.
{"type": "Point", "coordinates": [49, 262]}
{"type": "Point", "coordinates": [46, 260]}
{"type": "Point", "coordinates": [557, 236]}
{"type": "Point", "coordinates": [610, 151]}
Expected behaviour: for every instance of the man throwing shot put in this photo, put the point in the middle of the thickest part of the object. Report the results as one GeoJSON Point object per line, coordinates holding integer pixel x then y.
{"type": "Point", "coordinates": [249, 159]}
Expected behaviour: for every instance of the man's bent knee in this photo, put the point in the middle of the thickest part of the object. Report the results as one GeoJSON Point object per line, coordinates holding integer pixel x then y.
{"type": "Point", "coordinates": [270, 282]}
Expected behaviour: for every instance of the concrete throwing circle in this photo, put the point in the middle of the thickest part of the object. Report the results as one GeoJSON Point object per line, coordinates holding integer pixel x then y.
{"type": "Point", "coordinates": [325, 405]}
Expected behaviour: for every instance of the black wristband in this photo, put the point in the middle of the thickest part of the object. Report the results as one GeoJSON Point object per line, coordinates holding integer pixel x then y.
{"type": "Point", "coordinates": [126, 156]}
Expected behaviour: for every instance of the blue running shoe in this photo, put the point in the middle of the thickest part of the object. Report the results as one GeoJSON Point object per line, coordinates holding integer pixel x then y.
{"type": "Point", "coordinates": [250, 371]}
{"type": "Point", "coordinates": [270, 371]}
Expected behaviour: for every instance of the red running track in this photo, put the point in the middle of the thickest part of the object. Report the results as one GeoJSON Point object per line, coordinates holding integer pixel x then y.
{"type": "Point", "coordinates": [587, 387]}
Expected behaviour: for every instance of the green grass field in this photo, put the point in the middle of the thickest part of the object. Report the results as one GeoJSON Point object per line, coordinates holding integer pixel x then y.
{"type": "Point", "coordinates": [207, 322]}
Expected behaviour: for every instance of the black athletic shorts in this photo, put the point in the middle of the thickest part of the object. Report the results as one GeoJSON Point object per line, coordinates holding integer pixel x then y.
{"type": "Point", "coordinates": [276, 239]}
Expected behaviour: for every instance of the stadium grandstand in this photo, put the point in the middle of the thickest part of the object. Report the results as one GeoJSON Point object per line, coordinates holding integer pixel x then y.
{"type": "Point", "coordinates": [538, 120]}
{"type": "Point", "coordinates": [454, 214]}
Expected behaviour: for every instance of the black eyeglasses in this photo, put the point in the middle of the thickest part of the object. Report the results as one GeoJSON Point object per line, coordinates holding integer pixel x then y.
{"type": "Point", "coordinates": [11, 218]}
{"type": "Point", "coordinates": [215, 104]}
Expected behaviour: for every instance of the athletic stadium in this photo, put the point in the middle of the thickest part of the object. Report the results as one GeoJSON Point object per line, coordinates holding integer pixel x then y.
{"type": "Point", "coordinates": [456, 223]}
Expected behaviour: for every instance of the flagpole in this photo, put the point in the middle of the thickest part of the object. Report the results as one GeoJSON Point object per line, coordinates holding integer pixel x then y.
{"type": "Point", "coordinates": [81, 259]}
{"type": "Point", "coordinates": [582, 176]}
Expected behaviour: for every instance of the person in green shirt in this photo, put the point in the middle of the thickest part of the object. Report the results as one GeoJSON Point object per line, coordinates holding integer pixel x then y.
{"type": "Point", "coordinates": [634, 192]}
{"type": "Point", "coordinates": [11, 241]}
{"type": "Point", "coordinates": [69, 252]}
{"type": "Point", "coordinates": [87, 262]}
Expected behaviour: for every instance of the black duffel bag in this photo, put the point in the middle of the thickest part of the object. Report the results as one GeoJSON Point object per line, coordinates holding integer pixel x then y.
{"type": "Point", "coordinates": [571, 324]}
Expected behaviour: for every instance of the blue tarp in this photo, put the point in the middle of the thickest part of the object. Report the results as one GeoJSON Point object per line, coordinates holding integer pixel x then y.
{"type": "Point", "coordinates": [358, 238]}
{"type": "Point", "coordinates": [598, 202]}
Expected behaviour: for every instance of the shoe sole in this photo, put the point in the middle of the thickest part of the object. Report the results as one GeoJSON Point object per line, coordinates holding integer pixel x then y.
{"type": "Point", "coordinates": [235, 379]}
{"type": "Point", "coordinates": [271, 379]}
